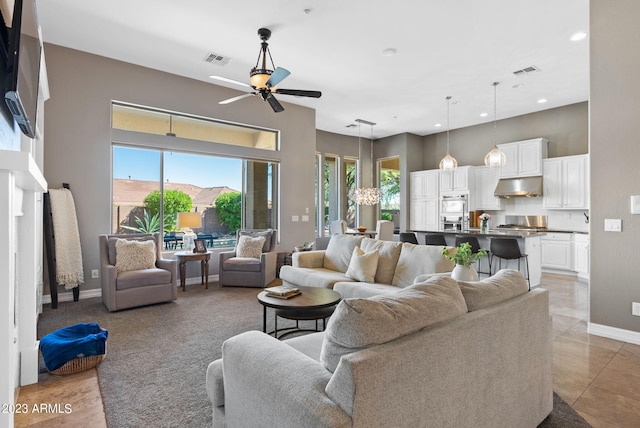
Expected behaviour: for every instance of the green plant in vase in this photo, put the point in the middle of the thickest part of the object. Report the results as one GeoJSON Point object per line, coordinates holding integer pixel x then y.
{"type": "Point", "coordinates": [463, 256]}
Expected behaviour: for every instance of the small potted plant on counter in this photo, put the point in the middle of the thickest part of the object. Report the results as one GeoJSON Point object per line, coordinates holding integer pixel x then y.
{"type": "Point", "coordinates": [484, 222]}
{"type": "Point", "coordinates": [463, 257]}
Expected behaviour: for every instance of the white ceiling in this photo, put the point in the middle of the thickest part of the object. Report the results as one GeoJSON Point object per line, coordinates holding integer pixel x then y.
{"type": "Point", "coordinates": [455, 47]}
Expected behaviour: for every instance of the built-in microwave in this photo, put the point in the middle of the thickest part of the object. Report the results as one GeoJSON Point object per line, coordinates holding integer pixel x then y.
{"type": "Point", "coordinates": [454, 212]}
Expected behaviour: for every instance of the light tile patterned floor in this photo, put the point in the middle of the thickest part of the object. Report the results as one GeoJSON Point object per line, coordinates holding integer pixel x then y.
{"type": "Point", "coordinates": [598, 377]}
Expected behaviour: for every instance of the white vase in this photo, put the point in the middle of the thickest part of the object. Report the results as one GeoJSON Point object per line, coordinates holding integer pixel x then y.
{"type": "Point", "coordinates": [461, 273]}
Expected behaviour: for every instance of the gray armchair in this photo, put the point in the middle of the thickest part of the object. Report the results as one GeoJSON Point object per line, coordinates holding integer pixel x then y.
{"type": "Point", "coordinates": [250, 272]}
{"type": "Point", "coordinates": [121, 290]}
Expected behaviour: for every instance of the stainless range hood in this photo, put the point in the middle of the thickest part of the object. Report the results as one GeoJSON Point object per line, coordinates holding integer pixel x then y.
{"type": "Point", "coordinates": [519, 187]}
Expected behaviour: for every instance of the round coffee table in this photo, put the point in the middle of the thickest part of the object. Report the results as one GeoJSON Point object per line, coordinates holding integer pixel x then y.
{"type": "Point", "coordinates": [314, 303]}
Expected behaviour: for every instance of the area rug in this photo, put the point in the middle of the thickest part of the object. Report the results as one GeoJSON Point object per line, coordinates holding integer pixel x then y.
{"type": "Point", "coordinates": [157, 356]}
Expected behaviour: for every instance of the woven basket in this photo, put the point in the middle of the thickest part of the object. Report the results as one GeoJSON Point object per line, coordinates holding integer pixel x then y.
{"type": "Point", "coordinates": [79, 365]}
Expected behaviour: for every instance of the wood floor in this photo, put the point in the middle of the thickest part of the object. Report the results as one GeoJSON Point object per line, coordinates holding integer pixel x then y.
{"type": "Point", "coordinates": [598, 377]}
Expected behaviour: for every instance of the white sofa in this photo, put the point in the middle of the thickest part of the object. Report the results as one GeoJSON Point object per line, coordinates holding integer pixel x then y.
{"type": "Point", "coordinates": [435, 354]}
{"type": "Point", "coordinates": [398, 265]}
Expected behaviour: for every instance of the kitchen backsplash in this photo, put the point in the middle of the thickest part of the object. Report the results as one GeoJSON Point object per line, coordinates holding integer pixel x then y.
{"type": "Point", "coordinates": [568, 220]}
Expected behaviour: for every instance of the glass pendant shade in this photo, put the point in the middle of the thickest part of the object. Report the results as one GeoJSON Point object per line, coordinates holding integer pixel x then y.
{"type": "Point", "coordinates": [495, 158]}
{"type": "Point", "coordinates": [448, 163]}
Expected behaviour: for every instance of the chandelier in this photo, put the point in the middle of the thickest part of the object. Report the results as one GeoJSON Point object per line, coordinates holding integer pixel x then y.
{"type": "Point", "coordinates": [495, 158]}
{"type": "Point", "coordinates": [448, 163]}
{"type": "Point", "coordinates": [365, 195]}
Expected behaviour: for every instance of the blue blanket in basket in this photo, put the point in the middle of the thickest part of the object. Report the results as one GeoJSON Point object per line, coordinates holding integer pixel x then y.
{"type": "Point", "coordinates": [74, 341]}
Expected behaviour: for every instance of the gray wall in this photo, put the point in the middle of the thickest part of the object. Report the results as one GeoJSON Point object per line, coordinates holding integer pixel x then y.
{"type": "Point", "coordinates": [615, 172]}
{"type": "Point", "coordinates": [78, 137]}
{"type": "Point", "coordinates": [565, 127]}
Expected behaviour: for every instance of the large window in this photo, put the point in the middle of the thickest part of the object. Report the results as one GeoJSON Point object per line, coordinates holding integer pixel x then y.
{"type": "Point", "coordinates": [152, 185]}
{"type": "Point", "coordinates": [389, 173]}
{"type": "Point", "coordinates": [335, 179]}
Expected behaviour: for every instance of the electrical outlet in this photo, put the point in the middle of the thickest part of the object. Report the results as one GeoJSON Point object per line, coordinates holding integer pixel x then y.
{"type": "Point", "coordinates": [635, 309]}
{"type": "Point", "coordinates": [95, 273]}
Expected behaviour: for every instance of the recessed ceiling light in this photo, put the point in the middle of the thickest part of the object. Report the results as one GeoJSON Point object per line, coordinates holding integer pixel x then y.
{"type": "Point", "coordinates": [389, 52]}
{"type": "Point", "coordinates": [542, 100]}
{"type": "Point", "coordinates": [578, 36]}
{"type": "Point", "coordinates": [484, 114]}
{"type": "Point", "coordinates": [438, 125]}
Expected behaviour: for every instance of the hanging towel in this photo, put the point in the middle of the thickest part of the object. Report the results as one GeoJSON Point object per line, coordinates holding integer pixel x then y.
{"type": "Point", "coordinates": [67, 239]}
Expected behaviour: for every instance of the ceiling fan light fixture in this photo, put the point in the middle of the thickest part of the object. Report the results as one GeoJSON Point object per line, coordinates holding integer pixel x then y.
{"type": "Point", "coordinates": [259, 77]}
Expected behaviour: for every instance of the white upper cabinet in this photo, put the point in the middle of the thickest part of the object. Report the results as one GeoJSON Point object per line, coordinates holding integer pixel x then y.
{"type": "Point", "coordinates": [566, 183]}
{"type": "Point", "coordinates": [523, 158]}
{"type": "Point", "coordinates": [456, 181]}
{"type": "Point", "coordinates": [486, 180]}
{"type": "Point", "coordinates": [425, 184]}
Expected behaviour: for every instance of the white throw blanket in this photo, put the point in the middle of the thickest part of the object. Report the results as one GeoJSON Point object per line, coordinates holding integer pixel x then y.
{"type": "Point", "coordinates": [69, 269]}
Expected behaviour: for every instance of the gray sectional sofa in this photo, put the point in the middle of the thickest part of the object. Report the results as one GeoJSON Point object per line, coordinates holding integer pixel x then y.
{"type": "Point", "coordinates": [438, 353]}
{"type": "Point", "coordinates": [398, 265]}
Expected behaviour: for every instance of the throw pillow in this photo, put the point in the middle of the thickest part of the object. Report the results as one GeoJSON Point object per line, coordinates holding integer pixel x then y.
{"type": "Point", "coordinates": [257, 233]}
{"type": "Point", "coordinates": [135, 255]}
{"type": "Point", "coordinates": [359, 323]}
{"type": "Point", "coordinates": [504, 285]}
{"type": "Point", "coordinates": [249, 246]}
{"type": "Point", "coordinates": [111, 244]}
{"type": "Point", "coordinates": [389, 253]}
{"type": "Point", "coordinates": [363, 266]}
{"type": "Point", "coordinates": [338, 254]}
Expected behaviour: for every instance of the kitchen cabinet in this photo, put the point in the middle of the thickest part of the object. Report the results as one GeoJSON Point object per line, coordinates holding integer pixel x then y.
{"type": "Point", "coordinates": [423, 214]}
{"type": "Point", "coordinates": [581, 255]}
{"type": "Point", "coordinates": [425, 184]}
{"type": "Point", "coordinates": [566, 183]}
{"type": "Point", "coordinates": [523, 158]}
{"type": "Point", "coordinates": [557, 251]}
{"type": "Point", "coordinates": [485, 182]}
{"type": "Point", "coordinates": [456, 181]}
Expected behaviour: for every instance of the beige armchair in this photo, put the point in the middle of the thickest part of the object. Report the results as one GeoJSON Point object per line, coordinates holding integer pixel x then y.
{"type": "Point", "coordinates": [236, 270]}
{"type": "Point", "coordinates": [154, 283]}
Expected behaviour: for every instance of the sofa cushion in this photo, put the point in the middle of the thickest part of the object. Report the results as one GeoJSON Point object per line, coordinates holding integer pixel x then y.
{"type": "Point", "coordinates": [389, 252]}
{"type": "Point", "coordinates": [135, 255]}
{"type": "Point", "coordinates": [363, 289]}
{"type": "Point", "coordinates": [363, 266]}
{"type": "Point", "coordinates": [311, 277]}
{"type": "Point", "coordinates": [418, 260]}
{"type": "Point", "coordinates": [504, 285]}
{"type": "Point", "coordinates": [142, 278]}
{"type": "Point", "coordinates": [338, 253]}
{"type": "Point", "coordinates": [266, 234]}
{"type": "Point", "coordinates": [249, 246]}
{"type": "Point", "coordinates": [360, 323]}
{"type": "Point", "coordinates": [242, 264]}
{"type": "Point", "coordinates": [111, 245]}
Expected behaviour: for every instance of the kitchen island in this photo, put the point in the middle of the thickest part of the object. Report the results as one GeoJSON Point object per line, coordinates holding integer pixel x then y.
{"type": "Point", "coordinates": [528, 241]}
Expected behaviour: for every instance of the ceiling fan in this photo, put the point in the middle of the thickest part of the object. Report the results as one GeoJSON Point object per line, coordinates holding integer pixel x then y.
{"type": "Point", "coordinates": [264, 80]}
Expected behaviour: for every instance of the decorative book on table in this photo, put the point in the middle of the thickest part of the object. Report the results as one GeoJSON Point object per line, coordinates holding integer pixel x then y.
{"type": "Point", "coordinates": [282, 292]}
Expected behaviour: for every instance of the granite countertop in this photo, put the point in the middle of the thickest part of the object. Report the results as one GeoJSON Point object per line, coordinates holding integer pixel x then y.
{"type": "Point", "coordinates": [489, 233]}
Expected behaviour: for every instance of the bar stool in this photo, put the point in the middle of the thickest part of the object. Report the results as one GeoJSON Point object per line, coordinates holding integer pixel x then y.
{"type": "Point", "coordinates": [508, 249]}
{"type": "Point", "coordinates": [435, 239]}
{"type": "Point", "coordinates": [475, 247]}
{"type": "Point", "coordinates": [409, 237]}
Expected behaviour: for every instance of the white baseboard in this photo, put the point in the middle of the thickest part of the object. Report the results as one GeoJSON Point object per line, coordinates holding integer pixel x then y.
{"type": "Point", "coordinates": [614, 333]}
{"type": "Point", "coordinates": [67, 296]}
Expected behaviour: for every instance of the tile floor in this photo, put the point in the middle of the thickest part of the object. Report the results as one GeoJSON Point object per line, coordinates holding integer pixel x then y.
{"type": "Point", "coordinates": [598, 377]}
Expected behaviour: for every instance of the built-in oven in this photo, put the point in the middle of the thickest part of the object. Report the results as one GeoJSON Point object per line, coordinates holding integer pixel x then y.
{"type": "Point", "coordinates": [454, 212]}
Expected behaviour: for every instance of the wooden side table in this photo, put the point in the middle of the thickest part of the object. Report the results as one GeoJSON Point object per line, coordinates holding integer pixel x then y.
{"type": "Point", "coordinates": [186, 256]}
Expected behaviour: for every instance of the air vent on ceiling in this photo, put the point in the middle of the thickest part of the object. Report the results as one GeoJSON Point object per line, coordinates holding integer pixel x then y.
{"type": "Point", "coordinates": [214, 58]}
{"type": "Point", "coordinates": [527, 70]}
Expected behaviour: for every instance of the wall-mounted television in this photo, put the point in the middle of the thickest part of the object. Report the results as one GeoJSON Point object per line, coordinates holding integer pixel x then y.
{"type": "Point", "coordinates": [21, 91]}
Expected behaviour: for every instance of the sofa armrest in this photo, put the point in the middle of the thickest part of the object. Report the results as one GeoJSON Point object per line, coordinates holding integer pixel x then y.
{"type": "Point", "coordinates": [168, 264]}
{"type": "Point", "coordinates": [268, 383]}
{"type": "Point", "coordinates": [226, 255]}
{"type": "Point", "coordinates": [308, 259]}
{"type": "Point", "coordinates": [215, 383]}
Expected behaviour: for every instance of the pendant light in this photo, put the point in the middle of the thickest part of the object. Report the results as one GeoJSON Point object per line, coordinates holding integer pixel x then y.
{"type": "Point", "coordinates": [495, 158]}
{"type": "Point", "coordinates": [366, 195]}
{"type": "Point", "coordinates": [448, 163]}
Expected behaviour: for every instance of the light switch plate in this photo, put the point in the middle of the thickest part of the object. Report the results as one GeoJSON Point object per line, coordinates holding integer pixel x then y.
{"type": "Point", "coordinates": [295, 218]}
{"type": "Point", "coordinates": [612, 225]}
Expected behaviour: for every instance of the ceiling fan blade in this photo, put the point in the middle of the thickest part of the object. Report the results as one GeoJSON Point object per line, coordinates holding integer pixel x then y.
{"type": "Point", "coordinates": [275, 104]}
{"type": "Point", "coordinates": [299, 93]}
{"type": "Point", "coordinates": [235, 82]}
{"type": "Point", "coordinates": [278, 75]}
{"type": "Point", "coordinates": [239, 97]}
